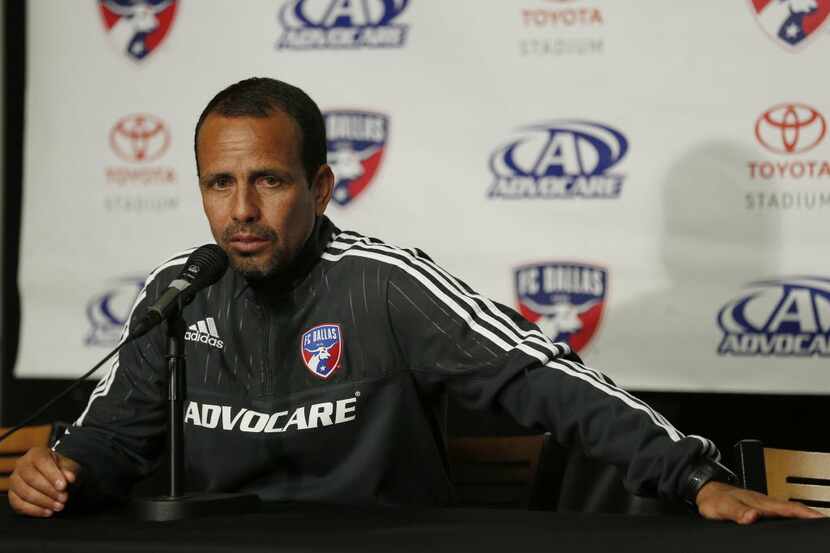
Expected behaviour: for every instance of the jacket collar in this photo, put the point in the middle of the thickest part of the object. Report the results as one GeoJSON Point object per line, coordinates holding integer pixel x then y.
{"type": "Point", "coordinates": [287, 280]}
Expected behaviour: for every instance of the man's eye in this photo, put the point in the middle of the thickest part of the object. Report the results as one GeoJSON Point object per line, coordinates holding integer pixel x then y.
{"type": "Point", "coordinates": [221, 183]}
{"type": "Point", "coordinates": [271, 180]}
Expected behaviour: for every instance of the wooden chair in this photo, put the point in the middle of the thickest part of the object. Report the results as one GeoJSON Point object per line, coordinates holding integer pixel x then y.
{"type": "Point", "coordinates": [503, 472]}
{"type": "Point", "coordinates": [802, 476]}
{"type": "Point", "coordinates": [20, 442]}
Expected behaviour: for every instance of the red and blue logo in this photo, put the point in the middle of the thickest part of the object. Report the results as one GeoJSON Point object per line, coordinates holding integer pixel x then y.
{"type": "Point", "coordinates": [342, 24]}
{"type": "Point", "coordinates": [791, 22]}
{"type": "Point", "coordinates": [320, 348]}
{"type": "Point", "coordinates": [788, 317]}
{"type": "Point", "coordinates": [561, 159]}
{"type": "Point", "coordinates": [565, 300]}
{"type": "Point", "coordinates": [137, 27]}
{"type": "Point", "coordinates": [356, 141]}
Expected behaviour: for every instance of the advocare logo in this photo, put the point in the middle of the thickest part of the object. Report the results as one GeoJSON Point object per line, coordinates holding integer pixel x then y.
{"type": "Point", "coordinates": [139, 138]}
{"type": "Point", "coordinates": [778, 318]}
{"type": "Point", "coordinates": [790, 128]}
{"type": "Point", "coordinates": [559, 159]}
{"type": "Point", "coordinates": [107, 311]}
{"type": "Point", "coordinates": [342, 24]}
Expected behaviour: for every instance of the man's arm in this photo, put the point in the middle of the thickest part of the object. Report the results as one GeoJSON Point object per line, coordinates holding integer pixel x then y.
{"type": "Point", "coordinates": [119, 436]}
{"type": "Point", "coordinates": [490, 358]}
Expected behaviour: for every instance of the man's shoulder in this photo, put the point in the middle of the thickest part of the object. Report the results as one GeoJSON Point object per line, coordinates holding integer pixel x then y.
{"type": "Point", "coordinates": [353, 256]}
{"type": "Point", "coordinates": [359, 248]}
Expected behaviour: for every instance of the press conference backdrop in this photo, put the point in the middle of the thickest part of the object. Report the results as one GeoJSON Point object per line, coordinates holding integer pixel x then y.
{"type": "Point", "coordinates": [647, 180]}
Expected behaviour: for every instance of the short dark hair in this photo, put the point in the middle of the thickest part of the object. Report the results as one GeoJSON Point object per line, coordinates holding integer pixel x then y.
{"type": "Point", "coordinates": [260, 97]}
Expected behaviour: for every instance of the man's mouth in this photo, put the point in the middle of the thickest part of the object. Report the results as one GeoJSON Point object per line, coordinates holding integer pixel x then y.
{"type": "Point", "coordinates": [247, 243]}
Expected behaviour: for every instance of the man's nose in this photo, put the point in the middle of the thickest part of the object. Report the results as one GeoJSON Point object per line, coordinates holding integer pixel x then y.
{"type": "Point", "coordinates": [246, 204]}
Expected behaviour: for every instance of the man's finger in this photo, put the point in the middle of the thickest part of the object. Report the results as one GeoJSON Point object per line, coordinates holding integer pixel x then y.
{"type": "Point", "coordinates": [30, 477]}
{"type": "Point", "coordinates": [25, 508]}
{"type": "Point", "coordinates": [48, 467]}
{"type": "Point", "coordinates": [748, 516]}
{"type": "Point", "coordinates": [70, 476]}
{"type": "Point", "coordinates": [68, 467]}
{"type": "Point", "coordinates": [33, 496]}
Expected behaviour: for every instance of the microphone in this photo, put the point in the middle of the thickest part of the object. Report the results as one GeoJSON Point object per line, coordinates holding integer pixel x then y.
{"type": "Point", "coordinates": [205, 266]}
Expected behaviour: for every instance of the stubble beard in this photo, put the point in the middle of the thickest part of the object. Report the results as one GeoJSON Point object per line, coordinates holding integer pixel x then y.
{"type": "Point", "coordinates": [249, 265]}
{"type": "Point", "coordinates": [249, 268]}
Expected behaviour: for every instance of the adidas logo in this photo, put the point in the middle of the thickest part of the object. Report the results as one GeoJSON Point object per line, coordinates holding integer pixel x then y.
{"type": "Point", "coordinates": [204, 331]}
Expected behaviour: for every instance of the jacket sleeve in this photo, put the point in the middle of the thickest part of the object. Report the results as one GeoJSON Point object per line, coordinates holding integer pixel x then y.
{"type": "Point", "coordinates": [488, 357]}
{"type": "Point", "coordinates": [120, 435]}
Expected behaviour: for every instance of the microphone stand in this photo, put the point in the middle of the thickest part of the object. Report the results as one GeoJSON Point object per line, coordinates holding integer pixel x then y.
{"type": "Point", "coordinates": [177, 388]}
{"type": "Point", "coordinates": [177, 505]}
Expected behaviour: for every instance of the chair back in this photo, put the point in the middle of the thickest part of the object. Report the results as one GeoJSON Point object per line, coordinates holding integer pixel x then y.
{"type": "Point", "coordinates": [499, 472]}
{"type": "Point", "coordinates": [536, 473]}
{"type": "Point", "coordinates": [13, 447]}
{"type": "Point", "coordinates": [789, 474]}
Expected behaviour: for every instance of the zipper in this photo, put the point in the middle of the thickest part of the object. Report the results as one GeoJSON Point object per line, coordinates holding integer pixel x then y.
{"type": "Point", "coordinates": [267, 362]}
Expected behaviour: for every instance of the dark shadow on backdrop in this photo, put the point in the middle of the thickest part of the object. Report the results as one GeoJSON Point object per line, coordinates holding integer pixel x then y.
{"type": "Point", "coordinates": [701, 196]}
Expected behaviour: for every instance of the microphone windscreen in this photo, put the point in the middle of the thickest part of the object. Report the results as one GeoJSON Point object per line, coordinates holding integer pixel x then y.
{"type": "Point", "coordinates": [205, 266]}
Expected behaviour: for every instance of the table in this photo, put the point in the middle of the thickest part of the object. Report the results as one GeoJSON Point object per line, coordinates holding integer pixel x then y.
{"type": "Point", "coordinates": [286, 527]}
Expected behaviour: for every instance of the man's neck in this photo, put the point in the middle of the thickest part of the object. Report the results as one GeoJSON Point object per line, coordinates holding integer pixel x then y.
{"type": "Point", "coordinates": [298, 269]}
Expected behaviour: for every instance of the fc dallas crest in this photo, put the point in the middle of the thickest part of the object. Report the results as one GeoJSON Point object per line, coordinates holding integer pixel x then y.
{"type": "Point", "coordinates": [565, 300]}
{"type": "Point", "coordinates": [320, 348]}
{"type": "Point", "coordinates": [137, 27]}
{"type": "Point", "coordinates": [356, 141]}
{"type": "Point", "coordinates": [791, 22]}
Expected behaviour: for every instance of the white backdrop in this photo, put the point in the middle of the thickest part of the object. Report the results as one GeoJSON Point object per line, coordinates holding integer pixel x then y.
{"type": "Point", "coordinates": [665, 99]}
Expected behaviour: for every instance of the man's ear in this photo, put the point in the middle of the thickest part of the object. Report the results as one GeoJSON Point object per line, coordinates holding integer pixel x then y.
{"type": "Point", "coordinates": [321, 188]}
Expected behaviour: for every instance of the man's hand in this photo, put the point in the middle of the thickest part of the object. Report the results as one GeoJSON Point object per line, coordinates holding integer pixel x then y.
{"type": "Point", "coordinates": [38, 485]}
{"type": "Point", "coordinates": [719, 501]}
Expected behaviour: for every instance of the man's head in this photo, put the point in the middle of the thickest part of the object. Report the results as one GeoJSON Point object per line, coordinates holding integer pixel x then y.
{"type": "Point", "coordinates": [261, 159]}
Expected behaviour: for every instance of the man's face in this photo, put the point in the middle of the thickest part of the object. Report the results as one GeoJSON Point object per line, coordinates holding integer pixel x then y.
{"type": "Point", "coordinates": [256, 196]}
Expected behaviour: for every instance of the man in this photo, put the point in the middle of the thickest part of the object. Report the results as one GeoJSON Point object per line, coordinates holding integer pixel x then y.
{"type": "Point", "coordinates": [319, 365]}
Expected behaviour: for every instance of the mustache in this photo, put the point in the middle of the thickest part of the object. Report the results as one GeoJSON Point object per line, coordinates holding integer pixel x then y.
{"type": "Point", "coordinates": [253, 229]}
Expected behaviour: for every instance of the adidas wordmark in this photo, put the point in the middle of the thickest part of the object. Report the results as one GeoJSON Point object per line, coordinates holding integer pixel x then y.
{"type": "Point", "coordinates": [204, 331]}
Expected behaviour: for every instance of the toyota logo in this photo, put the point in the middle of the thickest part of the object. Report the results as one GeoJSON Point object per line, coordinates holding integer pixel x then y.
{"type": "Point", "coordinates": [140, 138]}
{"type": "Point", "coordinates": [790, 128]}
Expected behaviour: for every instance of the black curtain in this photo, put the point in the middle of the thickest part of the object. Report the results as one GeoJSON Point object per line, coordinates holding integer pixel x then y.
{"type": "Point", "coordinates": [19, 397]}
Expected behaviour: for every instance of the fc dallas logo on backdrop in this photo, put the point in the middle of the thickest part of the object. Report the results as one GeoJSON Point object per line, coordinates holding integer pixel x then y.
{"type": "Point", "coordinates": [564, 299]}
{"type": "Point", "coordinates": [320, 348]}
{"type": "Point", "coordinates": [356, 141]}
{"type": "Point", "coordinates": [137, 27]}
{"type": "Point", "coordinates": [791, 22]}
